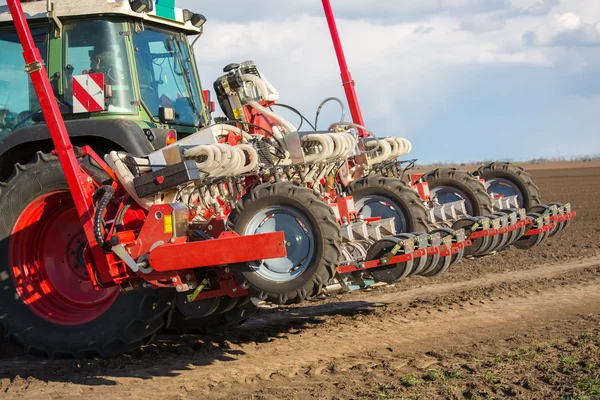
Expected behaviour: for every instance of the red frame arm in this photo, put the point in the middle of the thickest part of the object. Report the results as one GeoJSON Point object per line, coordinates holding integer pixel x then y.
{"type": "Point", "coordinates": [81, 190]}
{"type": "Point", "coordinates": [347, 80]}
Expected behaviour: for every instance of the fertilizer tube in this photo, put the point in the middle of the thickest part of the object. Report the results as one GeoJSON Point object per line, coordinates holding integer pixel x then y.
{"type": "Point", "coordinates": [288, 126]}
{"type": "Point", "coordinates": [267, 90]}
{"type": "Point", "coordinates": [253, 158]}
{"type": "Point", "coordinates": [113, 159]}
{"type": "Point", "coordinates": [320, 138]}
{"type": "Point", "coordinates": [396, 149]}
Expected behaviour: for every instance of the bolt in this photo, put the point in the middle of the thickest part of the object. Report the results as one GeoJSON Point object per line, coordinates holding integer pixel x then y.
{"type": "Point", "coordinates": [209, 227]}
{"type": "Point", "coordinates": [383, 261]}
{"type": "Point", "coordinates": [188, 277]}
{"type": "Point", "coordinates": [288, 244]}
{"type": "Point", "coordinates": [227, 270]}
{"type": "Point", "coordinates": [174, 280]}
{"type": "Point", "coordinates": [234, 290]}
{"type": "Point", "coordinates": [172, 240]}
{"type": "Point", "coordinates": [179, 288]}
{"type": "Point", "coordinates": [361, 265]}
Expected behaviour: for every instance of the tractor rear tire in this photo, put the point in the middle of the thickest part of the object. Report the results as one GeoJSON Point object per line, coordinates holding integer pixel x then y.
{"type": "Point", "coordinates": [530, 193]}
{"type": "Point", "coordinates": [474, 191]}
{"type": "Point", "coordinates": [398, 194]}
{"type": "Point", "coordinates": [47, 302]}
{"type": "Point", "coordinates": [315, 239]}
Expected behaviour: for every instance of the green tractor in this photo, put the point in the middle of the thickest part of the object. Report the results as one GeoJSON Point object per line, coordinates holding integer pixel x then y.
{"type": "Point", "coordinates": [150, 93]}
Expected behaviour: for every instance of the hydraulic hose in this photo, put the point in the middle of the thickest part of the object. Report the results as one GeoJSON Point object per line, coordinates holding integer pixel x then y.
{"type": "Point", "coordinates": [105, 193]}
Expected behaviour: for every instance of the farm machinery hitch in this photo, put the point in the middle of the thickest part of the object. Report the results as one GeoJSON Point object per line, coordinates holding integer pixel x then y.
{"type": "Point", "coordinates": [251, 210]}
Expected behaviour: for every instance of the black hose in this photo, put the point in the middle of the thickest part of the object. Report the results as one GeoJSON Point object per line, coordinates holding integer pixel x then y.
{"type": "Point", "coordinates": [295, 111]}
{"type": "Point", "coordinates": [105, 193]}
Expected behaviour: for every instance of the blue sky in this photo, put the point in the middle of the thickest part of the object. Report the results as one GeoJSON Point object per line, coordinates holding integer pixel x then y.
{"type": "Point", "coordinates": [461, 79]}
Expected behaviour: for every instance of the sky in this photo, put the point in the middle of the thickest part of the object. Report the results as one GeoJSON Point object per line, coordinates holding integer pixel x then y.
{"type": "Point", "coordinates": [461, 79]}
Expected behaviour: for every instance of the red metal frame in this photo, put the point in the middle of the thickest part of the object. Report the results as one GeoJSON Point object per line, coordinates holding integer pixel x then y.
{"type": "Point", "coordinates": [229, 248]}
{"type": "Point", "coordinates": [81, 190]}
{"type": "Point", "coordinates": [347, 80]}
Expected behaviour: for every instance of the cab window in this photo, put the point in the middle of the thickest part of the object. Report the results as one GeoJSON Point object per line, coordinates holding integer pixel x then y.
{"type": "Point", "coordinates": [99, 46]}
{"type": "Point", "coordinates": [18, 101]}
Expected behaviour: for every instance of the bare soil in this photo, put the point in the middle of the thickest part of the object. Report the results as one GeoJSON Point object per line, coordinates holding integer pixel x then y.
{"type": "Point", "coordinates": [517, 324]}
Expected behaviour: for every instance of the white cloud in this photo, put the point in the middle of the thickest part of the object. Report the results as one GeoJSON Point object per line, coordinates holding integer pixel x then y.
{"type": "Point", "coordinates": [567, 30]}
{"type": "Point", "coordinates": [421, 74]}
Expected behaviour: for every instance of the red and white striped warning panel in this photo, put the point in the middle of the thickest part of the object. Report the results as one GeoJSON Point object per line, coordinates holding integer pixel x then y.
{"type": "Point", "coordinates": [88, 93]}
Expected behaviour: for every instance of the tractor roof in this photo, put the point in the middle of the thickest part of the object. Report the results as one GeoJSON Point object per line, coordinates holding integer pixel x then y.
{"type": "Point", "coordinates": [164, 13]}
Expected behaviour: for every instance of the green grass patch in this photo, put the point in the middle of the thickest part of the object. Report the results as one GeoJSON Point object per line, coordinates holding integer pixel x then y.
{"type": "Point", "coordinates": [590, 386]}
{"type": "Point", "coordinates": [409, 380]}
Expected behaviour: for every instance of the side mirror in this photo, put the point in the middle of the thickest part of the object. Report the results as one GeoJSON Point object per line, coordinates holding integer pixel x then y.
{"type": "Point", "coordinates": [166, 114]}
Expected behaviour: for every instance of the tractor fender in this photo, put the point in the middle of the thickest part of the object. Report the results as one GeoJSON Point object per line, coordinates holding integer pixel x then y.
{"type": "Point", "coordinates": [102, 135]}
{"type": "Point", "coordinates": [125, 133]}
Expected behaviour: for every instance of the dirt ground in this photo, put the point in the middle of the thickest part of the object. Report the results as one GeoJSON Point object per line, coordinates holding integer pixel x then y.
{"type": "Point", "coordinates": [517, 324]}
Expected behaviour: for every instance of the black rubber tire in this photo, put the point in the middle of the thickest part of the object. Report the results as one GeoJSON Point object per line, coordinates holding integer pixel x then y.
{"type": "Point", "coordinates": [328, 241]}
{"type": "Point", "coordinates": [528, 242]}
{"type": "Point", "coordinates": [466, 183]}
{"type": "Point", "coordinates": [517, 175]}
{"type": "Point", "coordinates": [211, 324]}
{"type": "Point", "coordinates": [414, 210]}
{"type": "Point", "coordinates": [505, 237]}
{"type": "Point", "coordinates": [477, 244]}
{"type": "Point", "coordinates": [390, 273]}
{"type": "Point", "coordinates": [443, 263]}
{"type": "Point", "coordinates": [421, 263]}
{"type": "Point", "coordinates": [131, 321]}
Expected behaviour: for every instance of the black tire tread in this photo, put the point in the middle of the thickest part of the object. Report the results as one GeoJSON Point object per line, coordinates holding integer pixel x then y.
{"type": "Point", "coordinates": [416, 212]}
{"type": "Point", "coordinates": [141, 313]}
{"type": "Point", "coordinates": [518, 175]}
{"type": "Point", "coordinates": [471, 186]}
{"type": "Point", "coordinates": [327, 224]}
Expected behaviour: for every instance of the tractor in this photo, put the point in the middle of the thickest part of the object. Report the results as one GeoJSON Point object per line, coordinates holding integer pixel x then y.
{"type": "Point", "coordinates": [128, 209]}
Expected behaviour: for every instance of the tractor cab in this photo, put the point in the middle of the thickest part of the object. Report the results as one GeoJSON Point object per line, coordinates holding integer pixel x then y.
{"type": "Point", "coordinates": [125, 60]}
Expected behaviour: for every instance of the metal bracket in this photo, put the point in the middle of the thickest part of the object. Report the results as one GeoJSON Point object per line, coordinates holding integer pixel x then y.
{"type": "Point", "coordinates": [52, 15]}
{"type": "Point", "coordinates": [33, 67]}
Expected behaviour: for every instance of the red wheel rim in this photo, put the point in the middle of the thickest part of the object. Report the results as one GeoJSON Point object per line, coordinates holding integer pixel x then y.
{"type": "Point", "coordinates": [47, 263]}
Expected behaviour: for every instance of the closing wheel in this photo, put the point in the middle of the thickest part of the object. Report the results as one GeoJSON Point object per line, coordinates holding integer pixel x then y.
{"type": "Point", "coordinates": [312, 235]}
{"type": "Point", "coordinates": [430, 264]}
{"type": "Point", "coordinates": [517, 233]}
{"type": "Point", "coordinates": [560, 226]}
{"type": "Point", "coordinates": [541, 209]}
{"type": "Point", "coordinates": [444, 262]}
{"type": "Point", "coordinates": [494, 241]}
{"type": "Point", "coordinates": [421, 262]}
{"type": "Point", "coordinates": [477, 244]}
{"type": "Point", "coordinates": [448, 185]}
{"type": "Point", "coordinates": [213, 323]}
{"type": "Point", "coordinates": [510, 180]}
{"type": "Point", "coordinates": [504, 237]}
{"type": "Point", "coordinates": [390, 273]}
{"type": "Point", "coordinates": [47, 301]}
{"type": "Point", "coordinates": [527, 242]}
{"type": "Point", "coordinates": [377, 196]}
{"type": "Point", "coordinates": [196, 309]}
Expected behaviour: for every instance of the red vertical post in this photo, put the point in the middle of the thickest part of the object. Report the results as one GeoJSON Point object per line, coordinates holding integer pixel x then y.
{"type": "Point", "coordinates": [77, 181]}
{"type": "Point", "coordinates": [347, 80]}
